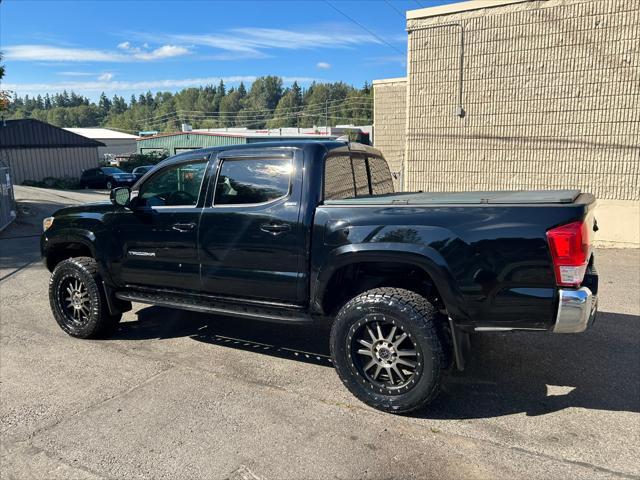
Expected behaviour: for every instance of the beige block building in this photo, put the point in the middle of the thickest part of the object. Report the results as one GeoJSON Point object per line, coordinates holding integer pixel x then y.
{"type": "Point", "coordinates": [390, 113]}
{"type": "Point", "coordinates": [514, 94]}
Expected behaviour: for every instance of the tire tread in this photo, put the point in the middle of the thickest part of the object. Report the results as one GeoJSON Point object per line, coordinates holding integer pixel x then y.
{"type": "Point", "coordinates": [420, 308]}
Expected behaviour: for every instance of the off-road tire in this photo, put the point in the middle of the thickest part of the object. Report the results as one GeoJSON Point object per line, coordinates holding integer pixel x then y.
{"type": "Point", "coordinates": [411, 313]}
{"type": "Point", "coordinates": [99, 322]}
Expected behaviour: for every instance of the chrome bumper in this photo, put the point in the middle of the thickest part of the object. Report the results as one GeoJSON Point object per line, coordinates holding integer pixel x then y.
{"type": "Point", "coordinates": [576, 310]}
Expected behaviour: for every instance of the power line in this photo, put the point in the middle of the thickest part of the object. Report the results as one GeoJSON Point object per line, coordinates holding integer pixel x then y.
{"type": "Point", "coordinates": [256, 112]}
{"type": "Point", "coordinates": [238, 117]}
{"type": "Point", "coordinates": [394, 7]}
{"type": "Point", "coordinates": [363, 27]}
{"type": "Point", "coordinates": [350, 103]}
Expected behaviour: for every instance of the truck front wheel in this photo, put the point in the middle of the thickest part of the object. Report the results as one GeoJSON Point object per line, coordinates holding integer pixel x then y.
{"type": "Point", "coordinates": [78, 301]}
{"type": "Point", "coordinates": [387, 350]}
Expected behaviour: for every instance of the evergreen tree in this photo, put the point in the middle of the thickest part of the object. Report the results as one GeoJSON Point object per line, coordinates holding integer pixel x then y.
{"type": "Point", "coordinates": [265, 104]}
{"type": "Point", "coordinates": [242, 91]}
{"type": "Point", "coordinates": [104, 105]}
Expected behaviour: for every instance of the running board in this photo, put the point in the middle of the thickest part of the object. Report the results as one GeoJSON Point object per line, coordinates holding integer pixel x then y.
{"type": "Point", "coordinates": [269, 314]}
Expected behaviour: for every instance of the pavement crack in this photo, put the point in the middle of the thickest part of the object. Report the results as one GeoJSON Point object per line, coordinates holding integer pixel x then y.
{"type": "Point", "coordinates": [100, 403]}
{"type": "Point", "coordinates": [27, 449]}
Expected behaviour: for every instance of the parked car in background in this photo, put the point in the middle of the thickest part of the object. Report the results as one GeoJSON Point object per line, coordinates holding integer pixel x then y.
{"type": "Point", "coordinates": [106, 177]}
{"type": "Point", "coordinates": [140, 171]}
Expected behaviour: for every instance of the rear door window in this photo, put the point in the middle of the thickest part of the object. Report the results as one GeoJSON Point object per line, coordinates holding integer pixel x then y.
{"type": "Point", "coordinates": [253, 181]}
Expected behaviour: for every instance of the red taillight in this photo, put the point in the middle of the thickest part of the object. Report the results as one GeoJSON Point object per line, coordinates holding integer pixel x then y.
{"type": "Point", "coordinates": [570, 251]}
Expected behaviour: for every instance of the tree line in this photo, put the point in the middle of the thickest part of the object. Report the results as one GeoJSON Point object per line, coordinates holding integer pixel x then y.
{"type": "Point", "coordinates": [265, 104]}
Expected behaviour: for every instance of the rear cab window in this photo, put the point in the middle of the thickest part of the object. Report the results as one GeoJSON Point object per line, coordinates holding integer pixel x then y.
{"type": "Point", "coordinates": [355, 175]}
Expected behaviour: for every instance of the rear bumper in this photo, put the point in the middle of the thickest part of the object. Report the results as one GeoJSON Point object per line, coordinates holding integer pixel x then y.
{"type": "Point", "coordinates": [577, 310]}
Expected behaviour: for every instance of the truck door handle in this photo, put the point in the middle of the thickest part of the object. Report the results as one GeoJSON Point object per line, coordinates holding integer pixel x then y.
{"type": "Point", "coordinates": [275, 228]}
{"type": "Point", "coordinates": [183, 227]}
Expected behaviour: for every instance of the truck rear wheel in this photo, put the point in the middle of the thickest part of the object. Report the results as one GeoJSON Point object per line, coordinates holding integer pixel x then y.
{"type": "Point", "coordinates": [78, 301]}
{"type": "Point", "coordinates": [387, 350]}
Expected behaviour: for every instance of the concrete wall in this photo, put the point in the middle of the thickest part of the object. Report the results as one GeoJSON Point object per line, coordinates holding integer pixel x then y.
{"type": "Point", "coordinates": [39, 163]}
{"type": "Point", "coordinates": [550, 93]}
{"type": "Point", "coordinates": [389, 122]}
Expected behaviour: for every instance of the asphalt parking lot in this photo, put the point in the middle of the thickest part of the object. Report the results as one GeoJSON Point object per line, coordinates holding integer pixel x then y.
{"type": "Point", "coordinates": [181, 395]}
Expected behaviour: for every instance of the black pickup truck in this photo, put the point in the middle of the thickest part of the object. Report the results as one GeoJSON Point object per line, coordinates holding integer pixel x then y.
{"type": "Point", "coordinates": [296, 232]}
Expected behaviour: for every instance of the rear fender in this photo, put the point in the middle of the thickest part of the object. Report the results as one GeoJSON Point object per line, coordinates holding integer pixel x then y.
{"type": "Point", "coordinates": [423, 257]}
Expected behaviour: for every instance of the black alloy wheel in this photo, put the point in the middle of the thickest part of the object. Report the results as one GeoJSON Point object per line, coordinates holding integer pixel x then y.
{"type": "Point", "coordinates": [387, 348]}
{"type": "Point", "coordinates": [73, 298]}
{"type": "Point", "coordinates": [78, 299]}
{"type": "Point", "coordinates": [385, 354]}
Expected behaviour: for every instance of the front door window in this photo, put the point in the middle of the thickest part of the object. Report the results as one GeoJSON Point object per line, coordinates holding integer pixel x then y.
{"type": "Point", "coordinates": [176, 185]}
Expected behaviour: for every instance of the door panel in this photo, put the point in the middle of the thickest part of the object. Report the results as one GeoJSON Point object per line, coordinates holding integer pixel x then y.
{"type": "Point", "coordinates": [158, 237]}
{"type": "Point", "coordinates": [159, 249]}
{"type": "Point", "coordinates": [251, 242]}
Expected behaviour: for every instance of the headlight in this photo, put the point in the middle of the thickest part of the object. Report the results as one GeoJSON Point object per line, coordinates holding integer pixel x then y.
{"type": "Point", "coordinates": [46, 223]}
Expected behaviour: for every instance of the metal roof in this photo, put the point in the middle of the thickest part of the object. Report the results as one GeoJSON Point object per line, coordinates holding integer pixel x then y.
{"type": "Point", "coordinates": [102, 133]}
{"type": "Point", "coordinates": [31, 133]}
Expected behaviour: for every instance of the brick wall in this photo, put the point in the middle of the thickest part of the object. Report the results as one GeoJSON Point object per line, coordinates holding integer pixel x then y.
{"type": "Point", "coordinates": [551, 92]}
{"type": "Point", "coordinates": [389, 122]}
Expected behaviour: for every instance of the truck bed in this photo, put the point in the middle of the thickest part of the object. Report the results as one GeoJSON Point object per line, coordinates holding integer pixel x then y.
{"type": "Point", "coordinates": [504, 197]}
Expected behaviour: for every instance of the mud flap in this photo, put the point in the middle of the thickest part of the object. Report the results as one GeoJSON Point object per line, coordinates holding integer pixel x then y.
{"type": "Point", "coordinates": [460, 342]}
{"type": "Point", "coordinates": [115, 305]}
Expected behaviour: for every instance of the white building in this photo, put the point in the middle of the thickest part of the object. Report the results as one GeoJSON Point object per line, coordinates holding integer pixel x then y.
{"type": "Point", "coordinates": [116, 143]}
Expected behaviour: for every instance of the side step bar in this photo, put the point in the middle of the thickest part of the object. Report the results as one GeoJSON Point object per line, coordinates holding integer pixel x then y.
{"type": "Point", "coordinates": [269, 314]}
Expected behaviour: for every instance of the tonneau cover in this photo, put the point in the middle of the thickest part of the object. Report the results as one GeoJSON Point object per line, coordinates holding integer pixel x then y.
{"type": "Point", "coordinates": [466, 198]}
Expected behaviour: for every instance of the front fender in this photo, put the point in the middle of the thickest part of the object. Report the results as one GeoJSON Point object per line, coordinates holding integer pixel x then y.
{"type": "Point", "coordinates": [426, 258]}
{"type": "Point", "coordinates": [50, 240]}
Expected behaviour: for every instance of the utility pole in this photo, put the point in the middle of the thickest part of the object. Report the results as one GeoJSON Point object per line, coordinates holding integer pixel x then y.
{"type": "Point", "coordinates": [326, 115]}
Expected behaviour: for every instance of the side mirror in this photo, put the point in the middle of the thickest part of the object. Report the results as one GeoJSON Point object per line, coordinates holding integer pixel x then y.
{"type": "Point", "coordinates": [121, 196]}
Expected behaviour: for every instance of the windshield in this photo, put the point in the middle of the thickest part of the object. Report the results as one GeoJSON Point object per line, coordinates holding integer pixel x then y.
{"type": "Point", "coordinates": [112, 170]}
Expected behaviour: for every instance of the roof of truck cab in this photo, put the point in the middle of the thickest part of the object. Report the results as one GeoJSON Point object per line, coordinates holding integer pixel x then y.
{"type": "Point", "coordinates": [302, 144]}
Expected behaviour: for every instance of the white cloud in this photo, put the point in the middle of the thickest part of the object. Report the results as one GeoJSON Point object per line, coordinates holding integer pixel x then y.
{"type": "Point", "coordinates": [166, 51]}
{"type": "Point", "coordinates": [136, 86]}
{"type": "Point", "coordinates": [106, 77]}
{"type": "Point", "coordinates": [253, 42]}
{"type": "Point", "coordinates": [60, 54]}
{"type": "Point", "coordinates": [323, 65]}
{"type": "Point", "coordinates": [129, 53]}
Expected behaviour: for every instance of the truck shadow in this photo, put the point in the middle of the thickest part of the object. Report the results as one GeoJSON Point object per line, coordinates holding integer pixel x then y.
{"type": "Point", "coordinates": [507, 373]}
{"type": "Point", "coordinates": [536, 373]}
{"type": "Point", "coordinates": [303, 343]}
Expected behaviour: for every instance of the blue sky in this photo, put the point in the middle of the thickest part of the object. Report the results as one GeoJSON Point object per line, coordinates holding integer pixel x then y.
{"type": "Point", "coordinates": [127, 47]}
